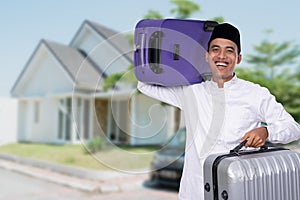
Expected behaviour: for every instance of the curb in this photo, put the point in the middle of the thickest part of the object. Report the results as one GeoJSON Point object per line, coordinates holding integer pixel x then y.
{"type": "Point", "coordinates": [64, 169]}
{"type": "Point", "coordinates": [75, 177]}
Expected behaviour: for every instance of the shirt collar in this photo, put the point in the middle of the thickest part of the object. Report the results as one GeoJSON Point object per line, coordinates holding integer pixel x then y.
{"type": "Point", "coordinates": [227, 84]}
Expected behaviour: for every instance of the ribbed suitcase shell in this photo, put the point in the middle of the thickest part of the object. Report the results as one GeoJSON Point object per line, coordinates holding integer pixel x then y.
{"type": "Point", "coordinates": [270, 175]}
{"type": "Point", "coordinates": [171, 52]}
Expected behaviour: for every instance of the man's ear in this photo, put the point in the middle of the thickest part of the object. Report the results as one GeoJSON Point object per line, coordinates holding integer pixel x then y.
{"type": "Point", "coordinates": [206, 56]}
{"type": "Point", "coordinates": [239, 59]}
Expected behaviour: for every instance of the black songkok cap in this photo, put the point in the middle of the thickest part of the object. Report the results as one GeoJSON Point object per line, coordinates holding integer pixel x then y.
{"type": "Point", "coordinates": [226, 31]}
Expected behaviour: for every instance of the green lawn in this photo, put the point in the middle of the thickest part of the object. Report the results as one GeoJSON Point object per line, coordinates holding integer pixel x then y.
{"type": "Point", "coordinates": [112, 157]}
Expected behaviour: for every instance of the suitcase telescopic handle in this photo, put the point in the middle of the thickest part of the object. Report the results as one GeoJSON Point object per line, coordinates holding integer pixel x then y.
{"type": "Point", "coordinates": [142, 54]}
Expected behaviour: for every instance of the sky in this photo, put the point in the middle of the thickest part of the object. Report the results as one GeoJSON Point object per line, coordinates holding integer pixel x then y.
{"type": "Point", "coordinates": [24, 23]}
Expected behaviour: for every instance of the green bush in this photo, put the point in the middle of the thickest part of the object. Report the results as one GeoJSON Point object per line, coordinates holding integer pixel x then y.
{"type": "Point", "coordinates": [96, 144]}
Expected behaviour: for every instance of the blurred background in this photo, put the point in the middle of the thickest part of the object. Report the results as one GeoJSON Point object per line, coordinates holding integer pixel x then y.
{"type": "Point", "coordinates": [269, 30]}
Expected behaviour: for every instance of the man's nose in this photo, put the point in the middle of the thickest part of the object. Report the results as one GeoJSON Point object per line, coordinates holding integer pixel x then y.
{"type": "Point", "coordinates": [222, 54]}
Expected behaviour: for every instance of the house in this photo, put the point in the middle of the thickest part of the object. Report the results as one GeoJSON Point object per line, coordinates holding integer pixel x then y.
{"type": "Point", "coordinates": [61, 98]}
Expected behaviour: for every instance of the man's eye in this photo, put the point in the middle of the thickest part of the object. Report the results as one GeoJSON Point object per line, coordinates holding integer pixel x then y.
{"type": "Point", "coordinates": [230, 51]}
{"type": "Point", "coordinates": [215, 49]}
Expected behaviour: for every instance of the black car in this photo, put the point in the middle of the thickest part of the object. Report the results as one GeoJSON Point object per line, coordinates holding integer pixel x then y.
{"type": "Point", "coordinates": [167, 165]}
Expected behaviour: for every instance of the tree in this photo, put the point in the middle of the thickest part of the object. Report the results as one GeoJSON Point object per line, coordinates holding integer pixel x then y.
{"type": "Point", "coordinates": [126, 76]}
{"type": "Point", "coordinates": [184, 8]}
{"type": "Point", "coordinates": [218, 19]}
{"type": "Point", "coordinates": [152, 14]}
{"type": "Point", "coordinates": [270, 69]}
{"type": "Point", "coordinates": [273, 55]}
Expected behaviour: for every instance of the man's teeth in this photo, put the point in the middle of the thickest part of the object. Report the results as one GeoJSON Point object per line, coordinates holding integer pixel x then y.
{"type": "Point", "coordinates": [221, 64]}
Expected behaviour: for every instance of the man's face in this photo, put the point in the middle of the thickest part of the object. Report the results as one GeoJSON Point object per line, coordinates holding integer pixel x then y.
{"type": "Point", "coordinates": [222, 56]}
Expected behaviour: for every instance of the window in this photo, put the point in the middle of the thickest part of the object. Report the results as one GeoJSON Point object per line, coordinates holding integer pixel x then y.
{"type": "Point", "coordinates": [64, 117]}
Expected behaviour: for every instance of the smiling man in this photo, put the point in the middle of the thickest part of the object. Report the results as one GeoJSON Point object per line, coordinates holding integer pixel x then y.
{"type": "Point", "coordinates": [224, 52]}
{"type": "Point", "coordinates": [224, 111]}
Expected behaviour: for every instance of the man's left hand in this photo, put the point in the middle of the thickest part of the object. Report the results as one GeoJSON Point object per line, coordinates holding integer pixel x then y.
{"type": "Point", "coordinates": [256, 138]}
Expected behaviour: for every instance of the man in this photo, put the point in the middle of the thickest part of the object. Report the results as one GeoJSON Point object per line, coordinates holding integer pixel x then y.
{"type": "Point", "coordinates": [221, 113]}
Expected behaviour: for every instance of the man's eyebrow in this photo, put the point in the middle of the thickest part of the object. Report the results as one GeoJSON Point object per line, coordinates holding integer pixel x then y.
{"type": "Point", "coordinates": [230, 47]}
{"type": "Point", "coordinates": [214, 45]}
{"type": "Point", "coordinates": [218, 46]}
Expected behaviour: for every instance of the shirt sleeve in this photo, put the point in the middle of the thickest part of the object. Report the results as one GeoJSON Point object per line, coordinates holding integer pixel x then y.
{"type": "Point", "coordinates": [169, 95]}
{"type": "Point", "coordinates": [282, 127]}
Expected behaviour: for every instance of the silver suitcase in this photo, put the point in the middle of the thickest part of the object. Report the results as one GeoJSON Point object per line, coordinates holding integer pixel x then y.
{"type": "Point", "coordinates": [266, 174]}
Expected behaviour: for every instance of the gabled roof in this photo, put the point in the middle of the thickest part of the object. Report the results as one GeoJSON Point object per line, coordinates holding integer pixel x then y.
{"type": "Point", "coordinates": [118, 40]}
{"type": "Point", "coordinates": [81, 71]}
{"type": "Point", "coordinates": [84, 72]}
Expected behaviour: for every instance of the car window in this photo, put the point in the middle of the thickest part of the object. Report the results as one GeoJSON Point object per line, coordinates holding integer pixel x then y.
{"type": "Point", "coordinates": [178, 140]}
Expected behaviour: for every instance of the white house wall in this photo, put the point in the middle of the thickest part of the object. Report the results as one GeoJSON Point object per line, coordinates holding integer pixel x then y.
{"type": "Point", "coordinates": [29, 72]}
{"type": "Point", "coordinates": [25, 117]}
{"type": "Point", "coordinates": [45, 128]}
{"type": "Point", "coordinates": [152, 122]}
{"type": "Point", "coordinates": [110, 60]}
{"type": "Point", "coordinates": [86, 40]}
{"type": "Point", "coordinates": [47, 78]}
{"type": "Point", "coordinates": [101, 51]}
{"type": "Point", "coordinates": [38, 125]}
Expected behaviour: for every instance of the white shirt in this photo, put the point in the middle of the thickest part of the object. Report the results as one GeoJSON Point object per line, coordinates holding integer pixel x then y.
{"type": "Point", "coordinates": [217, 118]}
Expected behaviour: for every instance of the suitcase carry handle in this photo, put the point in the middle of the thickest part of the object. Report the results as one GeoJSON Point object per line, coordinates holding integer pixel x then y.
{"type": "Point", "coordinates": [239, 147]}
{"type": "Point", "coordinates": [242, 144]}
{"type": "Point", "coordinates": [154, 52]}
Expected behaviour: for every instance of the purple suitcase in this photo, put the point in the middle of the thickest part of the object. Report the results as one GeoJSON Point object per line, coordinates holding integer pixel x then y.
{"type": "Point", "coordinates": [171, 52]}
